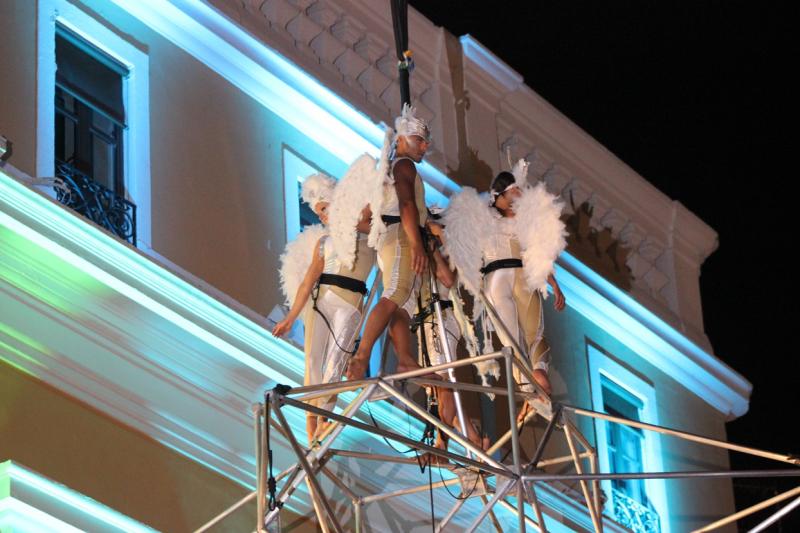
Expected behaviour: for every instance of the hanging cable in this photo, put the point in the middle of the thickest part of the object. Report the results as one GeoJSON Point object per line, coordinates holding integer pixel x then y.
{"type": "Point", "coordinates": [314, 296]}
{"type": "Point", "coordinates": [271, 483]}
{"type": "Point", "coordinates": [404, 62]}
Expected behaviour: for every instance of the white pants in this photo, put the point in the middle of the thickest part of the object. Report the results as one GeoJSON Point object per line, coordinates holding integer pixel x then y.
{"type": "Point", "coordinates": [520, 310]}
{"type": "Point", "coordinates": [325, 358]}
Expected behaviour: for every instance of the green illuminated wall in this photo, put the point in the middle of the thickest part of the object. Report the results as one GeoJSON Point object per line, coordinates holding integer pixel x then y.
{"type": "Point", "coordinates": [71, 443]}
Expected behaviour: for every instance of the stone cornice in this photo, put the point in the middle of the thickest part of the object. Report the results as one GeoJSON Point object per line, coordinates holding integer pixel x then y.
{"type": "Point", "coordinates": [494, 70]}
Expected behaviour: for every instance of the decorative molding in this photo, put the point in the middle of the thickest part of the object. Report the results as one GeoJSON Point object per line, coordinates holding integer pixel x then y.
{"type": "Point", "coordinates": [272, 80]}
{"type": "Point", "coordinates": [655, 341]}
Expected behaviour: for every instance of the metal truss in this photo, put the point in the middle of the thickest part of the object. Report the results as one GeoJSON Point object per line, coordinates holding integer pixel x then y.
{"type": "Point", "coordinates": [515, 479]}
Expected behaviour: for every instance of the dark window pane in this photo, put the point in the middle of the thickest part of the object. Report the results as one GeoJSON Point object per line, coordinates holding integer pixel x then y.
{"type": "Point", "coordinates": [89, 124]}
{"type": "Point", "coordinates": [89, 74]}
{"type": "Point", "coordinates": [89, 113]}
{"type": "Point", "coordinates": [103, 158]}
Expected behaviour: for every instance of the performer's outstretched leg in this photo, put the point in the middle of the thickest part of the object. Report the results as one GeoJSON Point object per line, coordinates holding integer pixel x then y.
{"type": "Point", "coordinates": [401, 340]}
{"type": "Point", "coordinates": [377, 321]}
{"type": "Point", "coordinates": [449, 415]}
{"type": "Point", "coordinates": [399, 279]}
{"type": "Point", "coordinates": [384, 312]}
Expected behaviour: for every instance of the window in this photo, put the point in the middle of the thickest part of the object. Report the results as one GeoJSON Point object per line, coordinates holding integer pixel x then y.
{"type": "Point", "coordinates": [90, 115]}
{"type": "Point", "coordinates": [89, 124]}
{"type": "Point", "coordinates": [637, 504]}
{"type": "Point", "coordinates": [298, 213]}
{"type": "Point", "coordinates": [93, 120]}
{"type": "Point", "coordinates": [625, 446]}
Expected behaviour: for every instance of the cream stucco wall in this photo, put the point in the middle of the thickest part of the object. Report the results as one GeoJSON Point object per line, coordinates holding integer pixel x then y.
{"type": "Point", "coordinates": [18, 80]}
{"type": "Point", "coordinates": [73, 444]}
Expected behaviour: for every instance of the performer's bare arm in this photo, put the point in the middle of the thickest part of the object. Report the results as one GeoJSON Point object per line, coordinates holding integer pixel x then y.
{"type": "Point", "coordinates": [436, 229]}
{"type": "Point", "coordinates": [303, 292]}
{"type": "Point", "coordinates": [560, 301]}
{"type": "Point", "coordinates": [443, 271]}
{"type": "Point", "coordinates": [404, 175]}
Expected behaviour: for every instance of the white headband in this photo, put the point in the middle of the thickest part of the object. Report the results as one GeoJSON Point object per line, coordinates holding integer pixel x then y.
{"type": "Point", "coordinates": [317, 188]}
{"type": "Point", "coordinates": [408, 124]}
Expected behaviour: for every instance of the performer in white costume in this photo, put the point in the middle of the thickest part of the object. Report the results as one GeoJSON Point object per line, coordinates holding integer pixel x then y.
{"type": "Point", "coordinates": [336, 294]}
{"type": "Point", "coordinates": [398, 213]}
{"type": "Point", "coordinates": [506, 243]}
{"type": "Point", "coordinates": [395, 195]}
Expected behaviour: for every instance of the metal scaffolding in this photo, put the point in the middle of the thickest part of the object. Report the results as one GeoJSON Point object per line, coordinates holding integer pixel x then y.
{"type": "Point", "coordinates": [514, 478]}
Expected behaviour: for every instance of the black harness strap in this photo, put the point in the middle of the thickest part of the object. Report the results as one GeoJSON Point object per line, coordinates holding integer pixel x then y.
{"type": "Point", "coordinates": [351, 284]}
{"type": "Point", "coordinates": [501, 263]}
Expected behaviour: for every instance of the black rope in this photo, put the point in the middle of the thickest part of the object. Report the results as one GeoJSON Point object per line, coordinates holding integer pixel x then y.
{"type": "Point", "coordinates": [271, 483]}
{"type": "Point", "coordinates": [428, 438]}
{"type": "Point", "coordinates": [314, 296]}
{"type": "Point", "coordinates": [456, 496]}
{"type": "Point", "coordinates": [387, 441]}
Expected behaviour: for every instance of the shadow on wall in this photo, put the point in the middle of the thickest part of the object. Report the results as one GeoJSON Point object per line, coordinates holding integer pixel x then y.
{"type": "Point", "coordinates": [598, 249]}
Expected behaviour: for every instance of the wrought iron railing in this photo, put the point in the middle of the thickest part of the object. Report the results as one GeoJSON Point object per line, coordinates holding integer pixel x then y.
{"type": "Point", "coordinates": [102, 206]}
{"type": "Point", "coordinates": [633, 515]}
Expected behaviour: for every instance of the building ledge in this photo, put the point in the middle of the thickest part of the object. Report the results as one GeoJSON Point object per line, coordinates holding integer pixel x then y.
{"type": "Point", "coordinates": [32, 502]}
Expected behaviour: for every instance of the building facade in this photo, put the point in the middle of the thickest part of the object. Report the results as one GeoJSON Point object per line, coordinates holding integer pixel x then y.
{"type": "Point", "coordinates": [136, 285]}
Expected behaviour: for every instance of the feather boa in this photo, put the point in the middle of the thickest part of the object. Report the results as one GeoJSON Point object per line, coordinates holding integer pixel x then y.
{"type": "Point", "coordinates": [541, 233]}
{"type": "Point", "coordinates": [350, 197]}
{"type": "Point", "coordinates": [296, 259]}
{"type": "Point", "coordinates": [484, 368]}
{"type": "Point", "coordinates": [466, 221]}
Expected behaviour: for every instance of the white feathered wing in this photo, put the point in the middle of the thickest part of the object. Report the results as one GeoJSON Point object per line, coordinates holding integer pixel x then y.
{"type": "Point", "coordinates": [351, 196]}
{"type": "Point", "coordinates": [541, 233]}
{"type": "Point", "coordinates": [296, 259]}
{"type": "Point", "coordinates": [376, 190]}
{"type": "Point", "coordinates": [466, 222]}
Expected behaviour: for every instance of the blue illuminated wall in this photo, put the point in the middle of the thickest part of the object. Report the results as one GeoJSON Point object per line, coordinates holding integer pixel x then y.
{"type": "Point", "coordinates": [571, 338]}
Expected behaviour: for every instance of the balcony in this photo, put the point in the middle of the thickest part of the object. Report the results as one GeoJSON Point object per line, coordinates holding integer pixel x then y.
{"type": "Point", "coordinates": [633, 515]}
{"type": "Point", "coordinates": [102, 206]}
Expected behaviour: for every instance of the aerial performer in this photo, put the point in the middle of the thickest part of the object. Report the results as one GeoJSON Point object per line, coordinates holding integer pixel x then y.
{"type": "Point", "coordinates": [505, 243]}
{"type": "Point", "coordinates": [328, 295]}
{"type": "Point", "coordinates": [396, 198]}
{"type": "Point", "coordinates": [393, 197]}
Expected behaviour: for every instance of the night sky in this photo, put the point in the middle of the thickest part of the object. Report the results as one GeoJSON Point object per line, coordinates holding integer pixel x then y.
{"type": "Point", "coordinates": [695, 97]}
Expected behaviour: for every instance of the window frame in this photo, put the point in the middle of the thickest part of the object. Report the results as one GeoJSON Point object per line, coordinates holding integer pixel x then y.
{"type": "Point", "coordinates": [291, 190]}
{"type": "Point", "coordinates": [603, 365]}
{"type": "Point", "coordinates": [135, 97]}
